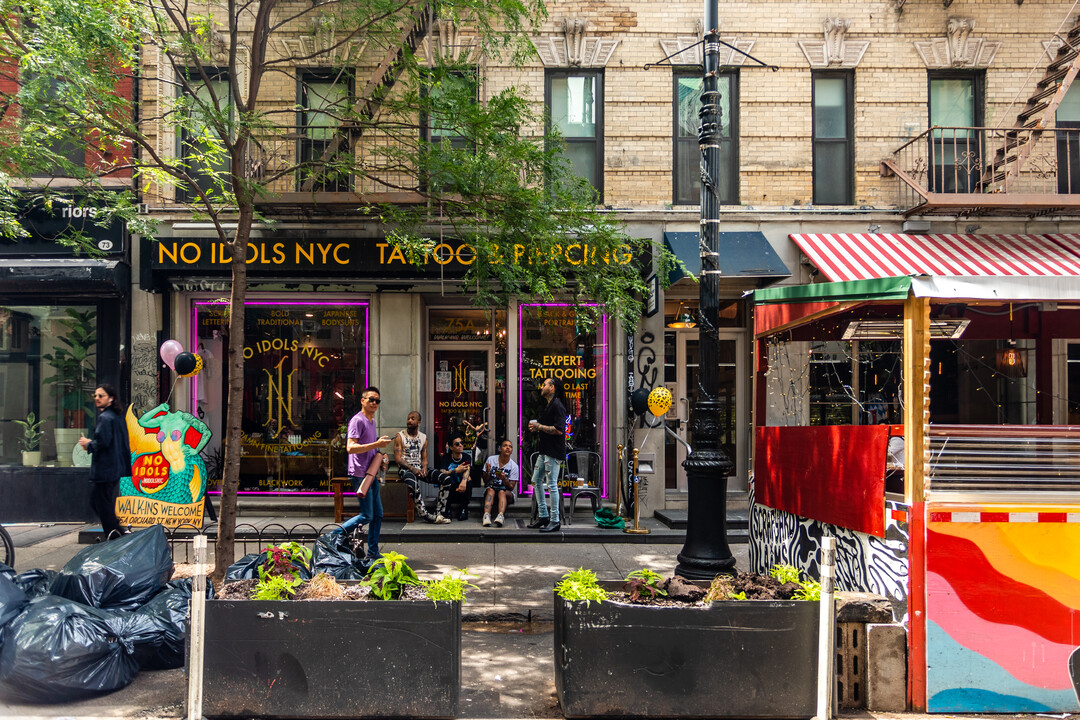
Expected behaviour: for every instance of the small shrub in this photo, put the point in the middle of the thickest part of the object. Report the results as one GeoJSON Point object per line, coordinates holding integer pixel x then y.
{"type": "Point", "coordinates": [580, 584]}
{"type": "Point", "coordinates": [737, 596]}
{"type": "Point", "coordinates": [810, 590]}
{"type": "Point", "coordinates": [720, 589]}
{"type": "Point", "coordinates": [389, 576]}
{"type": "Point", "coordinates": [450, 586]}
{"type": "Point", "coordinates": [785, 573]}
{"type": "Point", "coordinates": [283, 559]}
{"type": "Point", "coordinates": [643, 584]}
{"type": "Point", "coordinates": [275, 587]}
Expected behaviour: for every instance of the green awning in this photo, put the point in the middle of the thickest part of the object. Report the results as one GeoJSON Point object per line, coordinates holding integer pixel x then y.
{"type": "Point", "coordinates": [894, 288]}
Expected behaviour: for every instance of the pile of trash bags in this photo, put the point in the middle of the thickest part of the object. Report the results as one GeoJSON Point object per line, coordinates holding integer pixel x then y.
{"type": "Point", "coordinates": [89, 628]}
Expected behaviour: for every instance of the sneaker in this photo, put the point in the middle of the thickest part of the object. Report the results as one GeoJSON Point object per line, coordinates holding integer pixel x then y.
{"type": "Point", "coordinates": [440, 520]}
{"type": "Point", "coordinates": [486, 522]}
{"type": "Point", "coordinates": [499, 520]}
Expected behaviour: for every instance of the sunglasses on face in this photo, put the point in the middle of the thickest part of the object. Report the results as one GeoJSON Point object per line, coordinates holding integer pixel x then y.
{"type": "Point", "coordinates": [455, 444]}
{"type": "Point", "coordinates": [373, 400]}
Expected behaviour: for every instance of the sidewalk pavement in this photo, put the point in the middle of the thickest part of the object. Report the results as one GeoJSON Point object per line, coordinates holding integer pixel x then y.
{"type": "Point", "coordinates": [507, 666]}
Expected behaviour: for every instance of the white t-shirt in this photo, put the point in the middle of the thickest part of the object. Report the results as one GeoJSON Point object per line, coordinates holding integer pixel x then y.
{"type": "Point", "coordinates": [513, 472]}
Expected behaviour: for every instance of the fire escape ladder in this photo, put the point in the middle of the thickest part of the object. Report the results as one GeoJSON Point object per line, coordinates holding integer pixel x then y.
{"type": "Point", "coordinates": [378, 88]}
{"type": "Point", "coordinates": [1038, 114]}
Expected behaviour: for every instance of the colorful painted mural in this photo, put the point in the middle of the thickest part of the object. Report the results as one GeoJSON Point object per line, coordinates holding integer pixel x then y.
{"type": "Point", "coordinates": [168, 476]}
{"type": "Point", "coordinates": [1003, 608]}
{"type": "Point", "coordinates": [863, 562]}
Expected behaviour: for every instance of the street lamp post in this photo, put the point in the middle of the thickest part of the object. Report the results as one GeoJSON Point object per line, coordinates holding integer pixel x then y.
{"type": "Point", "coordinates": [706, 553]}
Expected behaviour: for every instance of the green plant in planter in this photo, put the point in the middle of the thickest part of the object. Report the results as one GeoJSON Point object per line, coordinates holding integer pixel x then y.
{"type": "Point", "coordinates": [282, 560]}
{"type": "Point", "coordinates": [32, 433]}
{"type": "Point", "coordinates": [389, 576]}
{"type": "Point", "coordinates": [580, 584]}
{"type": "Point", "coordinates": [73, 362]}
{"type": "Point", "coordinates": [808, 590]}
{"type": "Point", "coordinates": [643, 584]}
{"type": "Point", "coordinates": [450, 586]}
{"type": "Point", "coordinates": [275, 587]}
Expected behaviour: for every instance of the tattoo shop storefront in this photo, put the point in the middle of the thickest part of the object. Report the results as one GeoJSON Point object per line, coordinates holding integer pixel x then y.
{"type": "Point", "coordinates": [326, 317]}
{"type": "Point", "coordinates": [63, 328]}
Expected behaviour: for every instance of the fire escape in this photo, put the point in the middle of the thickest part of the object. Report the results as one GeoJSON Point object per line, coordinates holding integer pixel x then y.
{"type": "Point", "coordinates": [1032, 168]}
{"type": "Point", "coordinates": [313, 188]}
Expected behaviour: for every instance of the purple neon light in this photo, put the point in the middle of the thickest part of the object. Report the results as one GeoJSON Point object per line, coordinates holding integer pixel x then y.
{"type": "Point", "coordinates": [194, 339]}
{"type": "Point", "coordinates": [603, 390]}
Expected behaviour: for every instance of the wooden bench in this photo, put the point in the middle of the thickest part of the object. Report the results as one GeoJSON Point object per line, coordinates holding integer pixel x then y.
{"type": "Point", "coordinates": [396, 501]}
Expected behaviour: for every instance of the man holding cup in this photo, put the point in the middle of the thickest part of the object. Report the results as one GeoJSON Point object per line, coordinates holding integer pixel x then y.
{"type": "Point", "coordinates": [552, 451]}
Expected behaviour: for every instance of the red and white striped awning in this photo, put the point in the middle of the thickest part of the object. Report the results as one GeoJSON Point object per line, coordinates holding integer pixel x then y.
{"type": "Point", "coordinates": [866, 256]}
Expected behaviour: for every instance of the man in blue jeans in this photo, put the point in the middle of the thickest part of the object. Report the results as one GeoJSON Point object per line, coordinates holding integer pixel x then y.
{"type": "Point", "coordinates": [363, 447]}
{"type": "Point", "coordinates": [552, 447]}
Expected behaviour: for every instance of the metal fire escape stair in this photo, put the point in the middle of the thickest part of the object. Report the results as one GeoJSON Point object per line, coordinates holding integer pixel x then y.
{"type": "Point", "coordinates": [378, 87]}
{"type": "Point", "coordinates": [1018, 146]}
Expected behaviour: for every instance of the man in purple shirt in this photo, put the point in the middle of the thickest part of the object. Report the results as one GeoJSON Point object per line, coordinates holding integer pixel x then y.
{"type": "Point", "coordinates": [365, 461]}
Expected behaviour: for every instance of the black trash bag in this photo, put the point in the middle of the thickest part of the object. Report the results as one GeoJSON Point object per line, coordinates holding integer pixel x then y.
{"type": "Point", "coordinates": [61, 651]}
{"type": "Point", "coordinates": [247, 568]}
{"type": "Point", "coordinates": [334, 556]}
{"type": "Point", "coordinates": [8, 572]}
{"type": "Point", "coordinates": [12, 602]}
{"type": "Point", "coordinates": [120, 574]}
{"type": "Point", "coordinates": [158, 629]}
{"type": "Point", "coordinates": [36, 582]}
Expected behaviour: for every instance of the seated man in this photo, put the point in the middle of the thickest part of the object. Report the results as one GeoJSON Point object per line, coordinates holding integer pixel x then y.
{"type": "Point", "coordinates": [501, 476]}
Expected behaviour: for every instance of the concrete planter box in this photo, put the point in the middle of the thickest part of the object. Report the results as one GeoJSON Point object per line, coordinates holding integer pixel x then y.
{"type": "Point", "coordinates": [745, 659]}
{"type": "Point", "coordinates": [332, 659]}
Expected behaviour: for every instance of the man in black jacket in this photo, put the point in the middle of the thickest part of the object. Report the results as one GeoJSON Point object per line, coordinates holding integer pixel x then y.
{"type": "Point", "coordinates": [110, 458]}
{"type": "Point", "coordinates": [552, 429]}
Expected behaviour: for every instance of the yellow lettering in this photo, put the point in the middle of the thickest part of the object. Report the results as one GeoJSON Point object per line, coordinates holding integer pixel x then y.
{"type": "Point", "coordinates": [324, 249]}
{"type": "Point", "coordinates": [309, 254]}
{"type": "Point", "coordinates": [279, 253]}
{"type": "Point", "coordinates": [163, 250]}
{"type": "Point", "coordinates": [438, 253]}
{"type": "Point", "coordinates": [397, 255]}
{"type": "Point", "coordinates": [338, 248]}
{"type": "Point", "coordinates": [184, 255]}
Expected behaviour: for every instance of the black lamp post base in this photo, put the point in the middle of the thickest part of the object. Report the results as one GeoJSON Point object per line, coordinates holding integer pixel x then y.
{"type": "Point", "coordinates": [694, 568]}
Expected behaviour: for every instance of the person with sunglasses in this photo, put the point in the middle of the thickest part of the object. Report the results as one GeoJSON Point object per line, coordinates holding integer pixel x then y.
{"type": "Point", "coordinates": [452, 475]}
{"type": "Point", "coordinates": [365, 463]}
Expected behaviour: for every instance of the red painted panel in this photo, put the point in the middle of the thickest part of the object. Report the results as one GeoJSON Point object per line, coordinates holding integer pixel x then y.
{"type": "Point", "coordinates": [831, 473]}
{"type": "Point", "coordinates": [767, 317]}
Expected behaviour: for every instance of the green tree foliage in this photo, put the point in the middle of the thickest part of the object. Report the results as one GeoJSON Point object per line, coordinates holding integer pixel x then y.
{"type": "Point", "coordinates": [211, 74]}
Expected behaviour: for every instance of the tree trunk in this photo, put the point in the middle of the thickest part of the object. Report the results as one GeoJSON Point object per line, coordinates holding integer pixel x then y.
{"type": "Point", "coordinates": [230, 483]}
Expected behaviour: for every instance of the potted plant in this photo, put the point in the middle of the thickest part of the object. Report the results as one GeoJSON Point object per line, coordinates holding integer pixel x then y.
{"type": "Point", "coordinates": [643, 655]}
{"type": "Point", "coordinates": [73, 379]}
{"type": "Point", "coordinates": [31, 439]}
{"type": "Point", "coordinates": [389, 646]}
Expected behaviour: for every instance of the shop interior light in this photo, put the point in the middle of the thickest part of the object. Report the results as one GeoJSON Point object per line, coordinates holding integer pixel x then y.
{"type": "Point", "coordinates": [949, 328]}
{"type": "Point", "coordinates": [683, 319]}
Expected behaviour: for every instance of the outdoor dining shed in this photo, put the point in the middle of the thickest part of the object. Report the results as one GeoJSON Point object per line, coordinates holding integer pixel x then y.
{"type": "Point", "coordinates": [923, 406]}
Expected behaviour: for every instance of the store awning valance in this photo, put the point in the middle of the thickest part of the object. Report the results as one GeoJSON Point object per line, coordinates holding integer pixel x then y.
{"type": "Point", "coordinates": [83, 276]}
{"type": "Point", "coordinates": [867, 256]}
{"type": "Point", "coordinates": [746, 258]}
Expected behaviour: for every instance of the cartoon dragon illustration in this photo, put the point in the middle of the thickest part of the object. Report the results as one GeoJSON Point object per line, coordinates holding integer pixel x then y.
{"type": "Point", "coordinates": [178, 437]}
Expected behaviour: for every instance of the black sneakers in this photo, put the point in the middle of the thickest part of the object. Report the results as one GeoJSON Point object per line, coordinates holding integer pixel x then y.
{"type": "Point", "coordinates": [538, 523]}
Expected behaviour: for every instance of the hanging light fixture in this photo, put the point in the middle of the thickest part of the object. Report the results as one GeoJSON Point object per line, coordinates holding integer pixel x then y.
{"type": "Point", "coordinates": [683, 319]}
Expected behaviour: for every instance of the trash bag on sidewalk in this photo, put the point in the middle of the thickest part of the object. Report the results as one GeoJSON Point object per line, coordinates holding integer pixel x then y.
{"type": "Point", "coordinates": [8, 572]}
{"type": "Point", "coordinates": [120, 574]}
{"type": "Point", "coordinates": [605, 518]}
{"type": "Point", "coordinates": [334, 556]}
{"type": "Point", "coordinates": [158, 629]}
{"type": "Point", "coordinates": [60, 651]}
{"type": "Point", "coordinates": [12, 602]}
{"type": "Point", "coordinates": [35, 582]}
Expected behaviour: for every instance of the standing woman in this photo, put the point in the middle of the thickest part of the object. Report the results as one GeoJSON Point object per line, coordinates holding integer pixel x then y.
{"type": "Point", "coordinates": [110, 458]}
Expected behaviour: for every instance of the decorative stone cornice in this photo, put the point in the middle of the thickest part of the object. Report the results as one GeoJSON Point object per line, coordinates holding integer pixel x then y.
{"type": "Point", "coordinates": [957, 49]}
{"type": "Point", "coordinates": [444, 41]}
{"type": "Point", "coordinates": [322, 45]}
{"type": "Point", "coordinates": [835, 50]}
{"type": "Point", "coordinates": [572, 47]}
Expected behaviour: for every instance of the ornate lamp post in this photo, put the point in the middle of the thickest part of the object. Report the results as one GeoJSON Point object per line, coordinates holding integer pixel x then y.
{"type": "Point", "coordinates": [706, 553]}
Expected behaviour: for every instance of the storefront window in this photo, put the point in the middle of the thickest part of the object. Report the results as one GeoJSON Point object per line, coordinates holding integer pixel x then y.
{"type": "Point", "coordinates": [554, 344]}
{"type": "Point", "coordinates": [305, 365]}
{"type": "Point", "coordinates": [48, 366]}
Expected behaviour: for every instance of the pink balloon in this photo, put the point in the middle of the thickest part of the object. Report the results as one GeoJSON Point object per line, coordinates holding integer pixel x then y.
{"type": "Point", "coordinates": [169, 350]}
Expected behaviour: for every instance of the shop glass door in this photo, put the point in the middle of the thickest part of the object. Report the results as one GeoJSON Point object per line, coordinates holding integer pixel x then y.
{"type": "Point", "coordinates": [460, 385]}
{"type": "Point", "coordinates": [683, 353]}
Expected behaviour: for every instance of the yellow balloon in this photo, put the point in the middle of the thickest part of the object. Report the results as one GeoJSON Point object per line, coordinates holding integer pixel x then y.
{"type": "Point", "coordinates": [198, 367]}
{"type": "Point", "coordinates": [659, 401]}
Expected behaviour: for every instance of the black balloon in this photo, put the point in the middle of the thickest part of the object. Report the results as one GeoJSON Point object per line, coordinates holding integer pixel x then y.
{"type": "Point", "coordinates": [639, 399]}
{"type": "Point", "coordinates": [185, 363]}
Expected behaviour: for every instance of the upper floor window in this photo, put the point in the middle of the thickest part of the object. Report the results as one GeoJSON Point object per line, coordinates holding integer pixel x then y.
{"type": "Point", "coordinates": [834, 155]}
{"type": "Point", "coordinates": [61, 140]}
{"type": "Point", "coordinates": [448, 93]}
{"type": "Point", "coordinates": [206, 105]}
{"type": "Point", "coordinates": [956, 109]}
{"type": "Point", "coordinates": [575, 100]}
{"type": "Point", "coordinates": [686, 175]}
{"type": "Point", "coordinates": [324, 98]}
{"type": "Point", "coordinates": [1068, 142]}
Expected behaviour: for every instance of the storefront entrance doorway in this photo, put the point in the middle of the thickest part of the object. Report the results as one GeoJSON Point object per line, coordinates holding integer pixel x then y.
{"type": "Point", "coordinates": [460, 385]}
{"type": "Point", "coordinates": [681, 361]}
